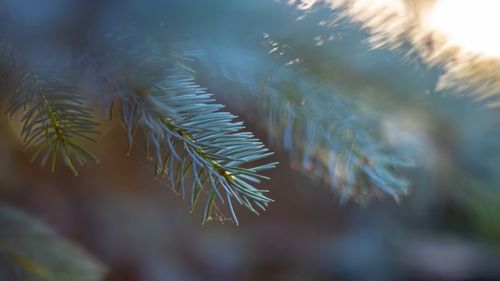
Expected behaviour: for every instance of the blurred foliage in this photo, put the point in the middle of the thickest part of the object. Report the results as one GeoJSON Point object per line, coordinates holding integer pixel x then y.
{"type": "Point", "coordinates": [308, 115]}
{"type": "Point", "coordinates": [39, 253]}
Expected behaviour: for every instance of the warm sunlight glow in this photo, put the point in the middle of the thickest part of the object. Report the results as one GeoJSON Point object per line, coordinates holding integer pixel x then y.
{"type": "Point", "coordinates": [460, 36]}
{"type": "Point", "coordinates": [471, 25]}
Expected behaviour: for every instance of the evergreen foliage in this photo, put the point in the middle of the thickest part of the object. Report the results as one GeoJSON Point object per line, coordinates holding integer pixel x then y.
{"type": "Point", "coordinates": [36, 252]}
{"type": "Point", "coordinates": [309, 116]}
{"type": "Point", "coordinates": [202, 151]}
{"type": "Point", "coordinates": [55, 118]}
{"type": "Point", "coordinates": [189, 139]}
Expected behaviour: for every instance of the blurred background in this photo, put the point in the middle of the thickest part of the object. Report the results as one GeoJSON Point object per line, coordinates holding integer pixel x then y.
{"type": "Point", "coordinates": [446, 228]}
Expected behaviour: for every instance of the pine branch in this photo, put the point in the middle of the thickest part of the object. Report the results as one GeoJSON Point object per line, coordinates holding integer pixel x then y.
{"type": "Point", "coordinates": [200, 149]}
{"type": "Point", "coordinates": [323, 131]}
{"type": "Point", "coordinates": [310, 117]}
{"type": "Point", "coordinates": [189, 135]}
{"type": "Point", "coordinates": [54, 118]}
